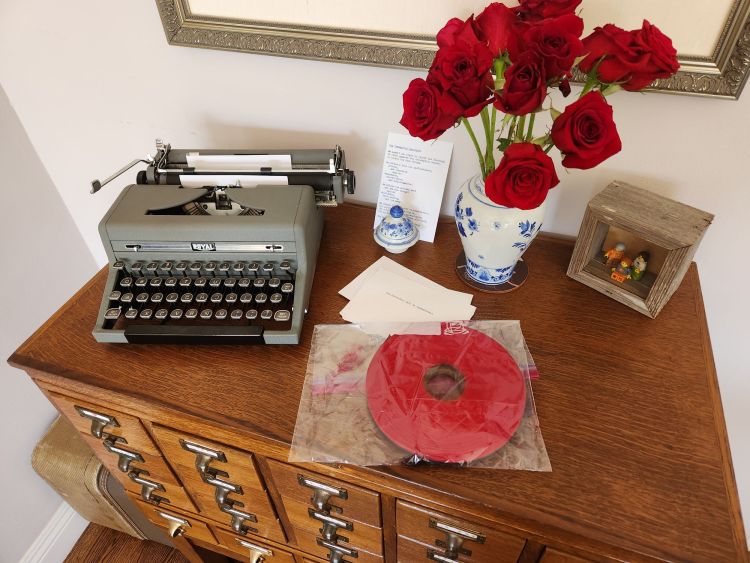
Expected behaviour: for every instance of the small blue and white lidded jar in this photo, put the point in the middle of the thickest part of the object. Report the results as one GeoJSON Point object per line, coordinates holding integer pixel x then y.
{"type": "Point", "coordinates": [396, 232]}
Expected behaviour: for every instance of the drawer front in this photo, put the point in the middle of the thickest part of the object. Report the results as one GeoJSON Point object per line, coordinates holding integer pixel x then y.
{"type": "Point", "coordinates": [97, 422]}
{"type": "Point", "coordinates": [453, 537]}
{"type": "Point", "coordinates": [324, 493]}
{"type": "Point", "coordinates": [183, 449]}
{"type": "Point", "coordinates": [360, 536]}
{"type": "Point", "coordinates": [157, 494]}
{"type": "Point", "coordinates": [250, 549]}
{"type": "Point", "coordinates": [309, 542]}
{"type": "Point", "coordinates": [554, 556]}
{"type": "Point", "coordinates": [170, 520]}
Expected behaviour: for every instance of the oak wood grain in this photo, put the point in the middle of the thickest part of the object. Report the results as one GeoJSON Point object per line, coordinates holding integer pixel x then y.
{"type": "Point", "coordinates": [629, 407]}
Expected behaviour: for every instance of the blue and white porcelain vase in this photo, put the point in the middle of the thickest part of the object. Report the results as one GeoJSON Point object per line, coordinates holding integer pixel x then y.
{"type": "Point", "coordinates": [494, 237]}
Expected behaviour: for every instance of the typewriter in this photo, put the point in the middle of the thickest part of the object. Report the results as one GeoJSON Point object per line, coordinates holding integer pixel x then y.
{"type": "Point", "coordinates": [215, 246]}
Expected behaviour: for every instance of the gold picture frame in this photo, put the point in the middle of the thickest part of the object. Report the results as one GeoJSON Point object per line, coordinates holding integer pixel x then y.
{"type": "Point", "coordinates": [722, 73]}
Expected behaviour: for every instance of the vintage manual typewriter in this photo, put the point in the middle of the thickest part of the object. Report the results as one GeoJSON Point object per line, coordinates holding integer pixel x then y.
{"type": "Point", "coordinates": [216, 246]}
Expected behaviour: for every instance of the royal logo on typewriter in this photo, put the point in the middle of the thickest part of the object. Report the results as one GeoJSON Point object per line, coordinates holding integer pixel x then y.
{"type": "Point", "coordinates": [203, 246]}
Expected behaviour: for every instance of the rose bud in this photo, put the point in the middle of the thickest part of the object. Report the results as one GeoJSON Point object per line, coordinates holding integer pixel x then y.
{"type": "Point", "coordinates": [523, 177]}
{"type": "Point", "coordinates": [525, 85]}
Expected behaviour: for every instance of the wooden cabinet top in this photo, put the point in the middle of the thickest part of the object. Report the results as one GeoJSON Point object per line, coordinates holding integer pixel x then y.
{"type": "Point", "coordinates": [629, 406]}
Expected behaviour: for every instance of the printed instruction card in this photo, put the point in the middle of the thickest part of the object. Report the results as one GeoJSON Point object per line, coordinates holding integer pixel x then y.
{"type": "Point", "coordinates": [414, 174]}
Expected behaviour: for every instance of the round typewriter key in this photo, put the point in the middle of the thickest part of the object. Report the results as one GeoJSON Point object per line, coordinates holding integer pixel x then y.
{"type": "Point", "coordinates": [141, 282]}
{"type": "Point", "coordinates": [176, 314]}
{"type": "Point", "coordinates": [259, 282]}
{"type": "Point", "coordinates": [231, 298]}
{"type": "Point", "coordinates": [246, 298]}
{"type": "Point", "coordinates": [252, 267]}
{"type": "Point", "coordinates": [142, 297]}
{"type": "Point", "coordinates": [221, 314]}
{"type": "Point", "coordinates": [146, 314]}
{"type": "Point", "coordinates": [113, 313]}
{"type": "Point", "coordinates": [191, 313]}
{"type": "Point", "coordinates": [131, 313]}
{"type": "Point", "coordinates": [206, 314]}
{"type": "Point", "coordinates": [170, 282]}
{"type": "Point", "coordinates": [155, 282]}
{"type": "Point", "coordinates": [172, 297]}
{"type": "Point", "coordinates": [185, 282]}
{"type": "Point", "coordinates": [261, 298]}
{"type": "Point", "coordinates": [274, 283]}
{"type": "Point", "coordinates": [126, 282]}
{"type": "Point", "coordinates": [161, 314]}
{"type": "Point", "coordinates": [251, 314]}
{"type": "Point", "coordinates": [236, 314]}
{"type": "Point", "coordinates": [287, 287]}
{"type": "Point", "coordinates": [276, 298]}
{"type": "Point", "coordinates": [266, 314]}
{"type": "Point", "coordinates": [224, 267]}
{"type": "Point", "coordinates": [285, 265]}
{"type": "Point", "coordinates": [230, 282]}
{"type": "Point", "coordinates": [200, 282]}
{"type": "Point", "coordinates": [214, 282]}
{"type": "Point", "coordinates": [201, 298]}
{"type": "Point", "coordinates": [118, 265]}
{"type": "Point", "coordinates": [136, 267]}
{"type": "Point", "coordinates": [115, 295]}
{"type": "Point", "coordinates": [186, 297]}
{"type": "Point", "coordinates": [244, 283]}
{"type": "Point", "coordinates": [268, 267]}
{"type": "Point", "coordinates": [195, 267]}
{"type": "Point", "coordinates": [126, 297]}
{"type": "Point", "coordinates": [180, 267]}
{"type": "Point", "coordinates": [237, 267]}
{"type": "Point", "coordinates": [282, 315]}
{"type": "Point", "coordinates": [157, 298]}
{"type": "Point", "coordinates": [151, 267]}
{"type": "Point", "coordinates": [166, 267]}
{"type": "Point", "coordinates": [216, 297]}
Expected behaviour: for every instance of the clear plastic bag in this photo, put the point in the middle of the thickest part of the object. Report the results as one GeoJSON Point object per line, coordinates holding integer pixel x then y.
{"type": "Point", "coordinates": [338, 422]}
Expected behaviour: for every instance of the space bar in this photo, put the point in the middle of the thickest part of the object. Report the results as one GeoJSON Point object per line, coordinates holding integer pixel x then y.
{"type": "Point", "coordinates": [190, 334]}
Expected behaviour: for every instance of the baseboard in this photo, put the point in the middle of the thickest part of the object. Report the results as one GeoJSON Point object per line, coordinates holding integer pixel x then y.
{"type": "Point", "coordinates": [54, 542]}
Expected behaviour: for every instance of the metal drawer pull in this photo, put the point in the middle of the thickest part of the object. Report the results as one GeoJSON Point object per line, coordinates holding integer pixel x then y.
{"type": "Point", "coordinates": [239, 518]}
{"type": "Point", "coordinates": [258, 554]}
{"type": "Point", "coordinates": [223, 488]}
{"type": "Point", "coordinates": [125, 457]}
{"type": "Point", "coordinates": [176, 525]}
{"type": "Point", "coordinates": [454, 538]}
{"type": "Point", "coordinates": [148, 487]}
{"type": "Point", "coordinates": [331, 525]}
{"type": "Point", "coordinates": [435, 556]}
{"type": "Point", "coordinates": [99, 421]}
{"type": "Point", "coordinates": [338, 552]}
{"type": "Point", "coordinates": [203, 457]}
{"type": "Point", "coordinates": [448, 529]}
{"type": "Point", "coordinates": [322, 492]}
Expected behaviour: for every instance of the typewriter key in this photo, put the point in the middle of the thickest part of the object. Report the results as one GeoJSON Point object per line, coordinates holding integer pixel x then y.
{"type": "Point", "coordinates": [231, 298]}
{"type": "Point", "coordinates": [285, 265]}
{"type": "Point", "coordinates": [230, 282]}
{"type": "Point", "coordinates": [282, 315]}
{"type": "Point", "coordinates": [287, 288]}
{"type": "Point", "coordinates": [259, 282]}
{"type": "Point", "coordinates": [141, 282]}
{"type": "Point", "coordinates": [161, 314]}
{"type": "Point", "coordinates": [118, 265]}
{"type": "Point", "coordinates": [155, 282]}
{"type": "Point", "coordinates": [172, 297]}
{"type": "Point", "coordinates": [157, 298]}
{"type": "Point", "coordinates": [221, 314]}
{"type": "Point", "coordinates": [216, 297]}
{"type": "Point", "coordinates": [261, 298]}
{"type": "Point", "coordinates": [244, 283]}
{"type": "Point", "coordinates": [224, 268]}
{"type": "Point", "coordinates": [252, 267]}
{"type": "Point", "coordinates": [126, 282]}
{"type": "Point", "coordinates": [268, 267]}
{"type": "Point", "coordinates": [146, 314]}
{"type": "Point", "coordinates": [276, 298]}
{"type": "Point", "coordinates": [206, 314]}
{"type": "Point", "coordinates": [236, 314]}
{"type": "Point", "coordinates": [246, 298]}
{"type": "Point", "coordinates": [126, 297]}
{"type": "Point", "coordinates": [176, 314]}
{"type": "Point", "coordinates": [170, 282]}
{"type": "Point", "coordinates": [180, 268]}
{"type": "Point", "coordinates": [274, 283]}
{"type": "Point", "coordinates": [113, 314]}
{"type": "Point", "coordinates": [210, 267]}
{"type": "Point", "coordinates": [237, 268]}
{"type": "Point", "coordinates": [251, 314]}
{"type": "Point", "coordinates": [214, 282]}
{"type": "Point", "coordinates": [131, 313]}
{"type": "Point", "coordinates": [115, 295]}
{"type": "Point", "coordinates": [186, 297]}
{"type": "Point", "coordinates": [136, 267]}
{"type": "Point", "coordinates": [266, 314]}
{"type": "Point", "coordinates": [200, 282]}
{"type": "Point", "coordinates": [142, 297]}
{"type": "Point", "coordinates": [185, 282]}
{"type": "Point", "coordinates": [191, 313]}
{"type": "Point", "coordinates": [195, 268]}
{"type": "Point", "coordinates": [166, 268]}
{"type": "Point", "coordinates": [201, 298]}
{"type": "Point", "coordinates": [151, 268]}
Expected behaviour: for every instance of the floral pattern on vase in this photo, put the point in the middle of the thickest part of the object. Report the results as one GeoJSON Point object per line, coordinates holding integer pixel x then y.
{"type": "Point", "coordinates": [494, 237]}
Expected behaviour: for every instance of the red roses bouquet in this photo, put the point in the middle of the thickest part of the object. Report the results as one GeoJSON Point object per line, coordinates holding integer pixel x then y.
{"type": "Point", "coordinates": [508, 58]}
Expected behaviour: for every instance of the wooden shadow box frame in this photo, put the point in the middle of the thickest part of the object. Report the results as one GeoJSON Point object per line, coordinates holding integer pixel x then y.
{"type": "Point", "coordinates": [673, 228]}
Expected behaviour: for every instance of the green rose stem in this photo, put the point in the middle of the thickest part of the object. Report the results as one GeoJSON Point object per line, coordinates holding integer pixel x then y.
{"type": "Point", "coordinates": [530, 133]}
{"type": "Point", "coordinates": [521, 128]}
{"type": "Point", "coordinates": [482, 165]}
{"type": "Point", "coordinates": [489, 159]}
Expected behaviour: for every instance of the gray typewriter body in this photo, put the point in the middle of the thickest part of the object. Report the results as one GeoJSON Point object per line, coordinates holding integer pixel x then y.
{"type": "Point", "coordinates": [178, 274]}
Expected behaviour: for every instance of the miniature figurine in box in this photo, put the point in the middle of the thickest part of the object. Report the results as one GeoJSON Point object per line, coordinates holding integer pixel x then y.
{"type": "Point", "coordinates": [613, 255]}
{"type": "Point", "coordinates": [623, 270]}
{"type": "Point", "coordinates": [639, 265]}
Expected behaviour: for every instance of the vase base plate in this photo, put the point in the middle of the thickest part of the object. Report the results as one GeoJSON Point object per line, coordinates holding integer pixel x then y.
{"type": "Point", "coordinates": [519, 276]}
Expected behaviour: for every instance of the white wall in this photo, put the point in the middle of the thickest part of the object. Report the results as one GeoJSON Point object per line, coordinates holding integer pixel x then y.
{"type": "Point", "coordinates": [95, 82]}
{"type": "Point", "coordinates": [45, 262]}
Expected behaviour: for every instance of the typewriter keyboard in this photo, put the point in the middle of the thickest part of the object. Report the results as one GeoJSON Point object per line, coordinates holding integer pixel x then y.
{"type": "Point", "coordinates": [200, 302]}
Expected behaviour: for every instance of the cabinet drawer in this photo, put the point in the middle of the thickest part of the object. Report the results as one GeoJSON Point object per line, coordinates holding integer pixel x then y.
{"type": "Point", "coordinates": [83, 414]}
{"type": "Point", "coordinates": [164, 518]}
{"type": "Point", "coordinates": [442, 532]}
{"type": "Point", "coordinates": [360, 536]}
{"type": "Point", "coordinates": [345, 499]}
{"type": "Point", "coordinates": [246, 548]}
{"type": "Point", "coordinates": [170, 496]}
{"type": "Point", "coordinates": [554, 556]}
{"type": "Point", "coordinates": [309, 542]}
{"type": "Point", "coordinates": [234, 464]}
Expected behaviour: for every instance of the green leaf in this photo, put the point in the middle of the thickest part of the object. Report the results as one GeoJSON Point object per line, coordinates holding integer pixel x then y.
{"type": "Point", "coordinates": [541, 140]}
{"type": "Point", "coordinates": [555, 113]}
{"type": "Point", "coordinates": [503, 144]}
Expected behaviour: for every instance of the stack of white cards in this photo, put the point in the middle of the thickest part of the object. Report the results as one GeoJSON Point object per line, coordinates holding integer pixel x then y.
{"type": "Point", "coordinates": [389, 292]}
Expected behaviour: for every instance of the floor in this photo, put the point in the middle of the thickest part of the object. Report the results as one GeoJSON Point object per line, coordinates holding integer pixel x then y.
{"type": "Point", "coordinates": [100, 544]}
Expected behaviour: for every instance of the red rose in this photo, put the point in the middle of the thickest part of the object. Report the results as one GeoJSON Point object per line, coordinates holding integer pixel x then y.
{"type": "Point", "coordinates": [531, 10]}
{"type": "Point", "coordinates": [457, 30]}
{"type": "Point", "coordinates": [632, 58]}
{"type": "Point", "coordinates": [525, 85]}
{"type": "Point", "coordinates": [585, 132]}
{"type": "Point", "coordinates": [424, 116]}
{"type": "Point", "coordinates": [500, 27]}
{"type": "Point", "coordinates": [523, 177]}
{"type": "Point", "coordinates": [463, 72]}
{"type": "Point", "coordinates": [557, 42]}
